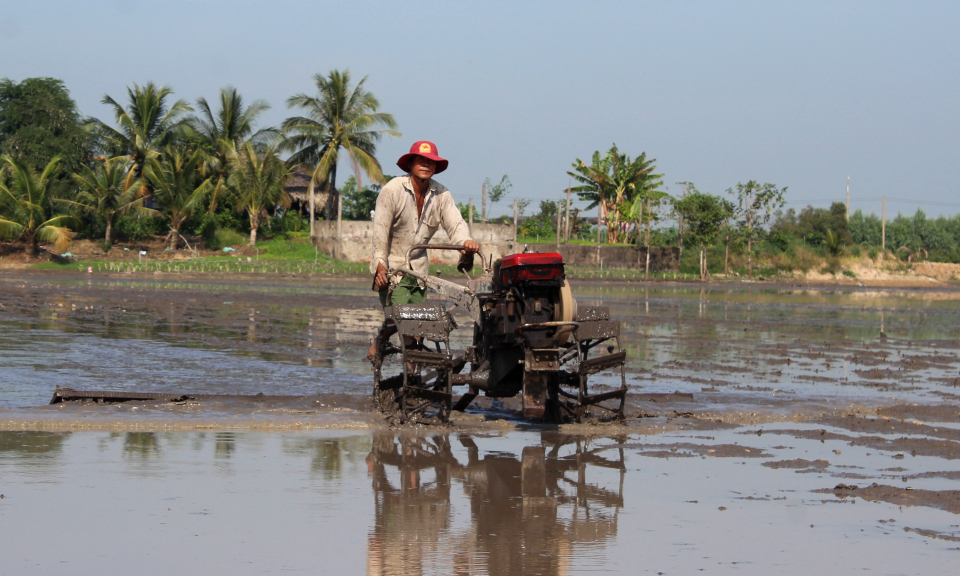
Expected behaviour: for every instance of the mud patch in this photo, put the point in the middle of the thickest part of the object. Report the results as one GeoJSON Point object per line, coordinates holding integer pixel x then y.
{"type": "Point", "coordinates": [948, 500]}
{"type": "Point", "coordinates": [798, 464]}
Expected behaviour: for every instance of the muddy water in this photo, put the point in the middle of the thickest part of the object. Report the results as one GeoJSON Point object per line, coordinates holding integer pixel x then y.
{"type": "Point", "coordinates": [743, 351]}
{"type": "Point", "coordinates": [818, 429]}
{"type": "Point", "coordinates": [448, 503]}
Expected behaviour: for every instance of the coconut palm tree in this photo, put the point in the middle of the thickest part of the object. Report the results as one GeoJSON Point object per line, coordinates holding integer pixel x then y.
{"type": "Point", "coordinates": [224, 131]}
{"type": "Point", "coordinates": [174, 179]}
{"type": "Point", "coordinates": [26, 206]}
{"type": "Point", "coordinates": [109, 190]}
{"type": "Point", "coordinates": [337, 117]}
{"type": "Point", "coordinates": [257, 181]}
{"type": "Point", "coordinates": [145, 126]}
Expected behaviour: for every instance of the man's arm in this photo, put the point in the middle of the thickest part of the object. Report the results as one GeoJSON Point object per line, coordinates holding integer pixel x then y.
{"type": "Point", "coordinates": [454, 225]}
{"type": "Point", "coordinates": [382, 221]}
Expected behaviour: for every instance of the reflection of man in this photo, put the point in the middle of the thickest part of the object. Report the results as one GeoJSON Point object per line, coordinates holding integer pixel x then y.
{"type": "Point", "coordinates": [410, 210]}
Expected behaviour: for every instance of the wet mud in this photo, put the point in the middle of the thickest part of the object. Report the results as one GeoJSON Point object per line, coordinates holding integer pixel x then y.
{"type": "Point", "coordinates": [784, 397]}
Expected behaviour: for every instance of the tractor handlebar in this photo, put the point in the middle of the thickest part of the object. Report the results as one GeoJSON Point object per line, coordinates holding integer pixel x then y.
{"type": "Point", "coordinates": [441, 247]}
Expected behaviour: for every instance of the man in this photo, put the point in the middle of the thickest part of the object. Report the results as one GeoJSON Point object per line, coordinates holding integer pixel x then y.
{"type": "Point", "coordinates": [410, 210]}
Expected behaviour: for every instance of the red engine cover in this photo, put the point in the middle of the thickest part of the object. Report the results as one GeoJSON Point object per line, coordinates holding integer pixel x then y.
{"type": "Point", "coordinates": [522, 267]}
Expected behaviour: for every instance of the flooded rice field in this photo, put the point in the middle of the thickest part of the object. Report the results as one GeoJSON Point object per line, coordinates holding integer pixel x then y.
{"type": "Point", "coordinates": [770, 429]}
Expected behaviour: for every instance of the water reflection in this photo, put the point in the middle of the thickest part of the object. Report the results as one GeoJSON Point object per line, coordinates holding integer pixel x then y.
{"type": "Point", "coordinates": [37, 447]}
{"type": "Point", "coordinates": [329, 457]}
{"type": "Point", "coordinates": [226, 444]}
{"type": "Point", "coordinates": [141, 445]}
{"type": "Point", "coordinates": [530, 511]}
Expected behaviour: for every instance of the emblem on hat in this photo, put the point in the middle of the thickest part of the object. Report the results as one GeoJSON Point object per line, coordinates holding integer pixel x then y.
{"type": "Point", "coordinates": [425, 148]}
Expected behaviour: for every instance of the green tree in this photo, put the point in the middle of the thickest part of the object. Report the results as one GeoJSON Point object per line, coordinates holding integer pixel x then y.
{"type": "Point", "coordinates": [225, 131]}
{"type": "Point", "coordinates": [865, 229]}
{"type": "Point", "coordinates": [39, 121]}
{"type": "Point", "coordinates": [174, 176]}
{"type": "Point", "coordinates": [357, 204]}
{"type": "Point", "coordinates": [109, 190]}
{"type": "Point", "coordinates": [755, 205]}
{"type": "Point", "coordinates": [543, 225]}
{"type": "Point", "coordinates": [145, 126]}
{"type": "Point", "coordinates": [257, 180]}
{"type": "Point", "coordinates": [338, 117]}
{"type": "Point", "coordinates": [703, 217]}
{"type": "Point", "coordinates": [26, 206]}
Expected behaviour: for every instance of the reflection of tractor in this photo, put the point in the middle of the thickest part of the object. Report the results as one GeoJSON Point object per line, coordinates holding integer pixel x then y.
{"type": "Point", "coordinates": [529, 338]}
{"type": "Point", "coordinates": [466, 509]}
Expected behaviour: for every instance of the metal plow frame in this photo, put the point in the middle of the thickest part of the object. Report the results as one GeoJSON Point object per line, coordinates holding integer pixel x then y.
{"type": "Point", "coordinates": [594, 328]}
{"type": "Point", "coordinates": [422, 392]}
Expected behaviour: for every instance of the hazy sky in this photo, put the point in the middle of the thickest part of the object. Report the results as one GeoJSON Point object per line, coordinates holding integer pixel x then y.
{"type": "Point", "coordinates": [801, 94]}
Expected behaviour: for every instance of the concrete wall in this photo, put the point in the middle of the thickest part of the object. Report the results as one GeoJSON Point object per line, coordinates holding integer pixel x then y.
{"type": "Point", "coordinates": [662, 259]}
{"type": "Point", "coordinates": [495, 240]}
{"type": "Point", "coordinates": [357, 242]}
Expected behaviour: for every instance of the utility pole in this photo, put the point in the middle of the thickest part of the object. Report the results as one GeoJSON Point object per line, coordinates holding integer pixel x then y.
{"type": "Point", "coordinates": [566, 230]}
{"type": "Point", "coordinates": [848, 198]}
{"type": "Point", "coordinates": [514, 219]}
{"type": "Point", "coordinates": [559, 220]}
{"type": "Point", "coordinates": [883, 227]}
{"type": "Point", "coordinates": [483, 207]}
{"type": "Point", "coordinates": [470, 215]}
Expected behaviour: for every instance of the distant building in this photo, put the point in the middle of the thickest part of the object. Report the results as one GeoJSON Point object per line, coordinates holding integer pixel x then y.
{"type": "Point", "coordinates": [297, 187]}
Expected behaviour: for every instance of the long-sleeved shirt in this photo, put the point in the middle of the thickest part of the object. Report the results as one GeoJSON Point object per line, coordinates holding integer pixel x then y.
{"type": "Point", "coordinates": [396, 227]}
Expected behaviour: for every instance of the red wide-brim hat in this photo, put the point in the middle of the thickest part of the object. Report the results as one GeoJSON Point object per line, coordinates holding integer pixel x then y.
{"type": "Point", "coordinates": [425, 149]}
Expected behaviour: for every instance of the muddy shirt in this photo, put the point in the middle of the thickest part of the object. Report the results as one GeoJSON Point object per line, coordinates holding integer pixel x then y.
{"type": "Point", "coordinates": [396, 227]}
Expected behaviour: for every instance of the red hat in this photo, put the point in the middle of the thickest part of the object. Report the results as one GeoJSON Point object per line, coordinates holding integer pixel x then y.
{"type": "Point", "coordinates": [425, 149]}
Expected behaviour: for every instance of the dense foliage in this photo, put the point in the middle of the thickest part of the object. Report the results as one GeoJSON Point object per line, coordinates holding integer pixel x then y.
{"type": "Point", "coordinates": [161, 168]}
{"type": "Point", "coordinates": [39, 122]}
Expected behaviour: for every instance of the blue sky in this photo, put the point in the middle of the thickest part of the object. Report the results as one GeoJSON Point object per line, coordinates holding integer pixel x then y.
{"type": "Point", "coordinates": [800, 94]}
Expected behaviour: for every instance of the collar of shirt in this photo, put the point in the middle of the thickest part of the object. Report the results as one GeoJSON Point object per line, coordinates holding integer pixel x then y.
{"type": "Point", "coordinates": [408, 185]}
{"type": "Point", "coordinates": [431, 191]}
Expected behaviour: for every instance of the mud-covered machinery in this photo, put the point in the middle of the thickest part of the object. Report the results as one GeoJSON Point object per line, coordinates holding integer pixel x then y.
{"type": "Point", "coordinates": [529, 338]}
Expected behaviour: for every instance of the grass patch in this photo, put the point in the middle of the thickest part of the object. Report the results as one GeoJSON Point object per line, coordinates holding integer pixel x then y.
{"type": "Point", "coordinates": [229, 237]}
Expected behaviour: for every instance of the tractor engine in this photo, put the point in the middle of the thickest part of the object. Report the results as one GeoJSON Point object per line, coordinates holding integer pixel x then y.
{"type": "Point", "coordinates": [529, 289]}
{"type": "Point", "coordinates": [522, 326]}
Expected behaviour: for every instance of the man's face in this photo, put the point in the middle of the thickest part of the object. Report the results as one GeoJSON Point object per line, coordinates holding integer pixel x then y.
{"type": "Point", "coordinates": [422, 168]}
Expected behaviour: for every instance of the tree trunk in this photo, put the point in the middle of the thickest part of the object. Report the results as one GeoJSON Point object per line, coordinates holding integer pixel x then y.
{"type": "Point", "coordinates": [109, 231]}
{"type": "Point", "coordinates": [174, 237]}
{"type": "Point", "coordinates": [311, 191]}
{"type": "Point", "coordinates": [649, 218]}
{"type": "Point", "coordinates": [332, 200]}
{"type": "Point", "coordinates": [680, 230]}
{"type": "Point", "coordinates": [726, 257]}
{"type": "Point", "coordinates": [750, 245]}
{"type": "Point", "coordinates": [32, 247]}
{"type": "Point", "coordinates": [253, 237]}
{"type": "Point", "coordinates": [613, 232]}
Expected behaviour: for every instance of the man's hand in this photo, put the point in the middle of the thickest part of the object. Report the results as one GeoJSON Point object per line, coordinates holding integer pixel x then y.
{"type": "Point", "coordinates": [381, 280]}
{"type": "Point", "coordinates": [470, 247]}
